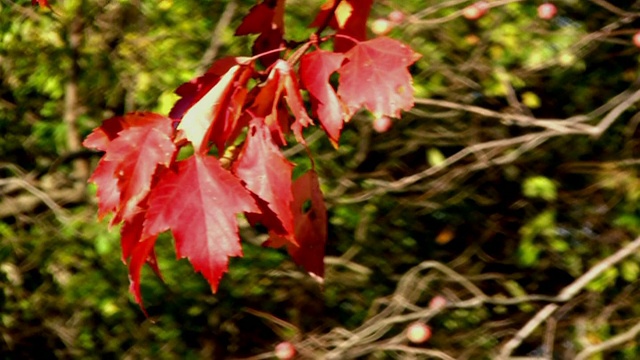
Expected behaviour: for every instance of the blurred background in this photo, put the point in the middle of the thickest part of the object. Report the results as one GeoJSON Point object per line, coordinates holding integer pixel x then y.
{"type": "Point", "coordinates": [514, 175]}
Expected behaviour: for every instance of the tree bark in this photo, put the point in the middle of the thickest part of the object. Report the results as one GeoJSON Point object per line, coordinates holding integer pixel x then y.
{"type": "Point", "coordinates": [72, 103]}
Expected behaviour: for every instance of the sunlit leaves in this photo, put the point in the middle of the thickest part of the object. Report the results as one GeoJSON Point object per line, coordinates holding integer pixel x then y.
{"type": "Point", "coordinates": [217, 109]}
{"type": "Point", "coordinates": [199, 202]}
{"type": "Point", "coordinates": [377, 78]}
{"type": "Point", "coordinates": [310, 216]}
{"type": "Point", "coordinates": [266, 19]}
{"type": "Point", "coordinates": [315, 69]}
{"type": "Point", "coordinates": [235, 118]}
{"type": "Point", "coordinates": [267, 173]}
{"type": "Point", "coordinates": [349, 20]}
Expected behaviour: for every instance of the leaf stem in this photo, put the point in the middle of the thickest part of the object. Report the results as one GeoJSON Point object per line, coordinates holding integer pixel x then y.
{"type": "Point", "coordinates": [299, 52]}
{"type": "Point", "coordinates": [355, 41]}
{"type": "Point", "coordinates": [257, 56]}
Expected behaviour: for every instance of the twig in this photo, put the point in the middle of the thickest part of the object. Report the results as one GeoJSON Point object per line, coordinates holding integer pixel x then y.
{"type": "Point", "coordinates": [574, 125]}
{"type": "Point", "coordinates": [522, 120]}
{"type": "Point", "coordinates": [614, 9]}
{"type": "Point", "coordinates": [611, 343]}
{"type": "Point", "coordinates": [566, 294]}
{"type": "Point", "coordinates": [614, 114]}
{"type": "Point", "coordinates": [413, 350]}
{"type": "Point", "coordinates": [217, 36]}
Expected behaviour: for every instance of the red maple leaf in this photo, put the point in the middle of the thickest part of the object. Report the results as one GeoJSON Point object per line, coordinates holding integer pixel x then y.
{"type": "Point", "coordinates": [266, 19]}
{"type": "Point", "coordinates": [315, 69]}
{"type": "Point", "coordinates": [135, 144]}
{"type": "Point", "coordinates": [198, 198]}
{"type": "Point", "coordinates": [192, 91]}
{"type": "Point", "coordinates": [130, 234]}
{"type": "Point", "coordinates": [101, 136]}
{"type": "Point", "coordinates": [42, 3]}
{"type": "Point", "coordinates": [214, 116]}
{"type": "Point", "coordinates": [262, 17]}
{"type": "Point", "coordinates": [141, 253]}
{"type": "Point", "coordinates": [108, 193]}
{"type": "Point", "coordinates": [289, 82]}
{"type": "Point", "coordinates": [310, 217]}
{"type": "Point", "coordinates": [267, 173]}
{"type": "Point", "coordinates": [281, 83]}
{"type": "Point", "coordinates": [266, 103]}
{"type": "Point", "coordinates": [137, 251]}
{"type": "Point", "coordinates": [375, 76]}
{"type": "Point", "coordinates": [349, 19]}
{"type": "Point", "coordinates": [199, 203]}
{"type": "Point", "coordinates": [137, 152]}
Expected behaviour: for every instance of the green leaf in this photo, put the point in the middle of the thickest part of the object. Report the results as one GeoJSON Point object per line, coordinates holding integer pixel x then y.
{"type": "Point", "coordinates": [540, 187]}
{"type": "Point", "coordinates": [603, 281]}
{"type": "Point", "coordinates": [435, 157]}
{"type": "Point", "coordinates": [630, 270]}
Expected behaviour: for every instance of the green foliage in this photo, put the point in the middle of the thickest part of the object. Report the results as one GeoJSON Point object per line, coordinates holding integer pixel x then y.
{"type": "Point", "coordinates": [539, 187]}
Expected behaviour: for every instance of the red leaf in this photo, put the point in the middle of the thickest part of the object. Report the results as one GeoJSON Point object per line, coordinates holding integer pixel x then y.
{"type": "Point", "coordinates": [266, 19]}
{"type": "Point", "coordinates": [376, 77]}
{"type": "Point", "coordinates": [266, 104]}
{"type": "Point", "coordinates": [42, 3]}
{"type": "Point", "coordinates": [265, 43]}
{"type": "Point", "coordinates": [315, 69]}
{"type": "Point", "coordinates": [263, 17]}
{"type": "Point", "coordinates": [267, 173]}
{"type": "Point", "coordinates": [137, 153]}
{"type": "Point", "coordinates": [192, 91]}
{"type": "Point", "coordinates": [214, 115]}
{"type": "Point", "coordinates": [130, 234]}
{"type": "Point", "coordinates": [108, 193]}
{"type": "Point", "coordinates": [141, 253]}
{"type": "Point", "coordinates": [311, 225]}
{"type": "Point", "coordinates": [198, 203]}
{"type": "Point", "coordinates": [135, 144]}
{"type": "Point", "coordinates": [101, 136]}
{"type": "Point", "coordinates": [289, 82]}
{"type": "Point", "coordinates": [349, 19]}
{"type": "Point", "coordinates": [282, 81]}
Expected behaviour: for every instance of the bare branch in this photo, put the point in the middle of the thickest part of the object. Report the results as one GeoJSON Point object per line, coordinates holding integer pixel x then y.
{"type": "Point", "coordinates": [613, 342]}
{"type": "Point", "coordinates": [614, 114]}
{"type": "Point", "coordinates": [566, 294]}
{"type": "Point", "coordinates": [216, 36]}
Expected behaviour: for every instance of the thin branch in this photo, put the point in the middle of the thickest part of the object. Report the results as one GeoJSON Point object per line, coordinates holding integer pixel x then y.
{"type": "Point", "coordinates": [614, 9]}
{"type": "Point", "coordinates": [455, 15]}
{"type": "Point", "coordinates": [574, 125]}
{"type": "Point", "coordinates": [24, 203]}
{"type": "Point", "coordinates": [566, 294]}
{"type": "Point", "coordinates": [614, 114]}
{"type": "Point", "coordinates": [519, 119]}
{"type": "Point", "coordinates": [217, 36]}
{"type": "Point", "coordinates": [613, 342]}
{"type": "Point", "coordinates": [416, 351]}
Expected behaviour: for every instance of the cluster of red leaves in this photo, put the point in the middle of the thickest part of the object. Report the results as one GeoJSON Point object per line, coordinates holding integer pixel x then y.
{"type": "Point", "coordinates": [243, 114]}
